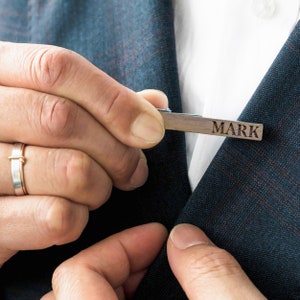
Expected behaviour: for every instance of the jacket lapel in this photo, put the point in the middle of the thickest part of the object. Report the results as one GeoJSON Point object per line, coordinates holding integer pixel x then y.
{"type": "Point", "coordinates": [248, 200]}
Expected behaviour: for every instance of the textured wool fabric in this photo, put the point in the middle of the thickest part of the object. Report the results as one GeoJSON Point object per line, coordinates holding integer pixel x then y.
{"type": "Point", "coordinates": [248, 201]}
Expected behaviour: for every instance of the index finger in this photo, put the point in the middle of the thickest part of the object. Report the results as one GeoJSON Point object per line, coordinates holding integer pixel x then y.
{"type": "Point", "coordinates": [54, 70]}
{"type": "Point", "coordinates": [109, 266]}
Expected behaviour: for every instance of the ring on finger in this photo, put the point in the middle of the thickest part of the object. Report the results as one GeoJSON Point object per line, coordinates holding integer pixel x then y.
{"type": "Point", "coordinates": [17, 160]}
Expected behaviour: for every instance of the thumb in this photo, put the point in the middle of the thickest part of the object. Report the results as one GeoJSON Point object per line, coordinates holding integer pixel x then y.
{"type": "Point", "coordinates": [205, 271]}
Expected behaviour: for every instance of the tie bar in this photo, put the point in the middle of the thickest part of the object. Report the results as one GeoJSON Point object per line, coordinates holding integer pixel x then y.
{"type": "Point", "coordinates": [198, 124]}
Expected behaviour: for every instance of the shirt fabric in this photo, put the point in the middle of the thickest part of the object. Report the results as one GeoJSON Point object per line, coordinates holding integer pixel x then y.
{"type": "Point", "coordinates": [224, 49]}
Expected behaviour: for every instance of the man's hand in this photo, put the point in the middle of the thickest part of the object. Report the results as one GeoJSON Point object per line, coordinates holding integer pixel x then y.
{"type": "Point", "coordinates": [53, 97]}
{"type": "Point", "coordinates": [83, 133]}
{"type": "Point", "coordinates": [110, 269]}
{"type": "Point", "coordinates": [205, 271]}
{"type": "Point", "coordinates": [113, 268]}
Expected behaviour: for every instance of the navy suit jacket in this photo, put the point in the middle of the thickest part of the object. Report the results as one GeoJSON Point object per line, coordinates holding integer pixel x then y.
{"type": "Point", "coordinates": [247, 201]}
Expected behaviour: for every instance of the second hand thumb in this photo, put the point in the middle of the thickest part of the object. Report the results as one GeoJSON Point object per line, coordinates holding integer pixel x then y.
{"type": "Point", "coordinates": [205, 271]}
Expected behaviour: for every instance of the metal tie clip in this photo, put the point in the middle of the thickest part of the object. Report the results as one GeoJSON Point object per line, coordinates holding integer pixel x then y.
{"type": "Point", "coordinates": [196, 123]}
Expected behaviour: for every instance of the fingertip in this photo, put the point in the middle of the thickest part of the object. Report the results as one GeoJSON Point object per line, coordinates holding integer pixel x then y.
{"type": "Point", "coordinates": [140, 174]}
{"type": "Point", "coordinates": [184, 236]}
{"type": "Point", "coordinates": [155, 228]}
{"type": "Point", "coordinates": [156, 97]}
{"type": "Point", "coordinates": [161, 228]}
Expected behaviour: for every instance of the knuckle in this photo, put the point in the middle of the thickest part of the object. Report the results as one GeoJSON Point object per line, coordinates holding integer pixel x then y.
{"type": "Point", "coordinates": [61, 274]}
{"type": "Point", "coordinates": [58, 220]}
{"type": "Point", "coordinates": [58, 117]}
{"type": "Point", "coordinates": [215, 263]}
{"type": "Point", "coordinates": [77, 170]}
{"type": "Point", "coordinates": [65, 271]}
{"type": "Point", "coordinates": [49, 66]}
{"type": "Point", "coordinates": [126, 165]}
{"type": "Point", "coordinates": [115, 96]}
{"type": "Point", "coordinates": [84, 181]}
{"type": "Point", "coordinates": [115, 102]}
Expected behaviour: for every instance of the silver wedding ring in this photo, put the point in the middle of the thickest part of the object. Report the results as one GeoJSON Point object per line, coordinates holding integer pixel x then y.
{"type": "Point", "coordinates": [17, 161]}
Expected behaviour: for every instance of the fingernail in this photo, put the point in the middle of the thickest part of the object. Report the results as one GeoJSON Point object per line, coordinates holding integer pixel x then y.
{"type": "Point", "coordinates": [148, 128]}
{"type": "Point", "coordinates": [184, 236]}
{"type": "Point", "coordinates": [140, 174]}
